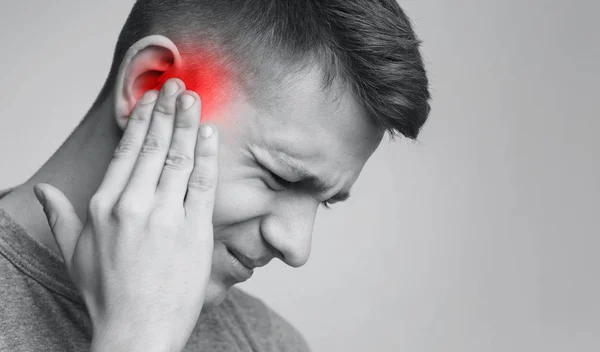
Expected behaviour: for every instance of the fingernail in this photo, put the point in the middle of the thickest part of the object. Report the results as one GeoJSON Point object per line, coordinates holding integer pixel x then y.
{"type": "Point", "coordinates": [149, 97]}
{"type": "Point", "coordinates": [171, 87]}
{"type": "Point", "coordinates": [186, 101]}
{"type": "Point", "coordinates": [206, 131]}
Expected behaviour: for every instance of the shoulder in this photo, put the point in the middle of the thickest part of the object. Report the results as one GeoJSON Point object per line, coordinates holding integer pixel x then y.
{"type": "Point", "coordinates": [5, 191]}
{"type": "Point", "coordinates": [265, 321]}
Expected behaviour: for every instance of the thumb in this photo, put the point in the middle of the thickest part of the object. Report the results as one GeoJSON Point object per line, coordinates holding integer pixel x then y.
{"type": "Point", "coordinates": [60, 213]}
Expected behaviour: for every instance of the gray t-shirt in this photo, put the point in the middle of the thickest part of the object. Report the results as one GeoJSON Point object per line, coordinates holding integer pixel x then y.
{"type": "Point", "coordinates": [40, 309]}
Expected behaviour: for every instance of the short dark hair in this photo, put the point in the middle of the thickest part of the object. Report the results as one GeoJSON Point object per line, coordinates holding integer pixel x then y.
{"type": "Point", "coordinates": [368, 45]}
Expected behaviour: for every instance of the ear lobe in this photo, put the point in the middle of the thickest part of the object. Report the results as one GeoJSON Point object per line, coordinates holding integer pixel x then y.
{"type": "Point", "coordinates": [146, 65]}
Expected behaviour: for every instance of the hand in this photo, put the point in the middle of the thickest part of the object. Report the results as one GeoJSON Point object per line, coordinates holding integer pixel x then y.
{"type": "Point", "coordinates": [142, 259]}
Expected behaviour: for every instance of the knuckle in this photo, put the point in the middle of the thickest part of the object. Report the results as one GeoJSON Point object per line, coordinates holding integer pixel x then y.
{"type": "Point", "coordinates": [138, 115]}
{"type": "Point", "coordinates": [201, 181]}
{"type": "Point", "coordinates": [98, 204]}
{"type": "Point", "coordinates": [162, 110]}
{"type": "Point", "coordinates": [178, 161]}
{"type": "Point", "coordinates": [126, 147]}
{"type": "Point", "coordinates": [153, 145]}
{"type": "Point", "coordinates": [125, 209]}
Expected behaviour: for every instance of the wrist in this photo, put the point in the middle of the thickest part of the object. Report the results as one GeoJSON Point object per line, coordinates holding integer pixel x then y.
{"type": "Point", "coordinates": [132, 337]}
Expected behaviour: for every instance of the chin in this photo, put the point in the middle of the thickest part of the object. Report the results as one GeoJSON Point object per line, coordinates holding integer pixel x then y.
{"type": "Point", "coordinates": [221, 277]}
{"type": "Point", "coordinates": [215, 294]}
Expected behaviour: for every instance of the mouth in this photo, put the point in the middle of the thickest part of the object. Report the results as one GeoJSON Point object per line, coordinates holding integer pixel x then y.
{"type": "Point", "coordinates": [241, 259]}
{"type": "Point", "coordinates": [237, 271]}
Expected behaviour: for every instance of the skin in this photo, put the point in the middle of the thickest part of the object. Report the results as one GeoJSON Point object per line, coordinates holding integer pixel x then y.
{"type": "Point", "coordinates": [253, 213]}
{"type": "Point", "coordinates": [142, 259]}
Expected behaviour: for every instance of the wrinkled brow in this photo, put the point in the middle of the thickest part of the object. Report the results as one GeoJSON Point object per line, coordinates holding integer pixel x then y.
{"type": "Point", "coordinates": [307, 179]}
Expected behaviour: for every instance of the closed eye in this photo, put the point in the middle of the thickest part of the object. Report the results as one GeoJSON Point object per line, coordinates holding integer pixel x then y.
{"type": "Point", "coordinates": [283, 183]}
{"type": "Point", "coordinates": [279, 180]}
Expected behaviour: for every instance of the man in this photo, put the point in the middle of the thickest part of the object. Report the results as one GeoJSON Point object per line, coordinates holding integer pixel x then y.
{"type": "Point", "coordinates": [301, 93]}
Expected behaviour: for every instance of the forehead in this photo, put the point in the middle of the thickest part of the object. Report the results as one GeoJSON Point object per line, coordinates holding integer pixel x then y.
{"type": "Point", "coordinates": [326, 131]}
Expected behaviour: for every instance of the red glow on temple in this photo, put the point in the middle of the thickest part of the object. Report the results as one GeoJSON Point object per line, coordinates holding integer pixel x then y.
{"type": "Point", "coordinates": [205, 75]}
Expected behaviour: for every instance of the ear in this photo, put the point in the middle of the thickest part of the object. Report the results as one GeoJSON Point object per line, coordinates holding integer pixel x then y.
{"type": "Point", "coordinates": [147, 65]}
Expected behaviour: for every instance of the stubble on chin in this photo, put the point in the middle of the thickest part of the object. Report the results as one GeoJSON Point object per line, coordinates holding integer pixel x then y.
{"type": "Point", "coordinates": [215, 295]}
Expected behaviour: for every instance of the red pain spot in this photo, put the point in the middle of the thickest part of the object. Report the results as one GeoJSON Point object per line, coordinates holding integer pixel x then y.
{"type": "Point", "coordinates": [204, 74]}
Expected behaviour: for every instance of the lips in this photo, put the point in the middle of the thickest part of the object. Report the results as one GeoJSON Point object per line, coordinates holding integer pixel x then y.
{"type": "Point", "coordinates": [241, 258]}
{"type": "Point", "coordinates": [237, 270]}
{"type": "Point", "coordinates": [249, 263]}
{"type": "Point", "coordinates": [236, 267]}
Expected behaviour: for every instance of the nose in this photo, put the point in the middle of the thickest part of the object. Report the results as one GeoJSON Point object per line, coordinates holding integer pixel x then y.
{"type": "Point", "coordinates": [289, 226]}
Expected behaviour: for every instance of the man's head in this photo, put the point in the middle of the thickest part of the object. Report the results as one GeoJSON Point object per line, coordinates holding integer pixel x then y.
{"type": "Point", "coordinates": [302, 93]}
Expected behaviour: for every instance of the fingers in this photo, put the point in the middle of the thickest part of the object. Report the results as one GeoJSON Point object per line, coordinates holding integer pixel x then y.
{"type": "Point", "coordinates": [126, 153]}
{"type": "Point", "coordinates": [202, 184]}
{"type": "Point", "coordinates": [159, 129]}
{"type": "Point", "coordinates": [151, 159]}
{"type": "Point", "coordinates": [180, 158]}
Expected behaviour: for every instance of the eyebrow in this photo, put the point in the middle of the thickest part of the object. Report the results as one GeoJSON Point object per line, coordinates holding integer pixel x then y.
{"type": "Point", "coordinates": [308, 179]}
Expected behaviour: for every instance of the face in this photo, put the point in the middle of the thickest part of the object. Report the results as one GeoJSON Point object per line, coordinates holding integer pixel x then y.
{"type": "Point", "coordinates": [265, 204]}
{"type": "Point", "coordinates": [280, 158]}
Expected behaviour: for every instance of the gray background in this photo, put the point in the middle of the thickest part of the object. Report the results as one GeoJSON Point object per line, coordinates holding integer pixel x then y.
{"type": "Point", "coordinates": [481, 237]}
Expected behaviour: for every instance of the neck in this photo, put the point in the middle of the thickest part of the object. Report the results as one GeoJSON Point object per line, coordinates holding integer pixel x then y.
{"type": "Point", "coordinates": [76, 168]}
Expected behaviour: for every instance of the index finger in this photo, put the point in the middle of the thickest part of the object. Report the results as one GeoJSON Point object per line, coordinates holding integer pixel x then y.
{"type": "Point", "coordinates": [125, 155]}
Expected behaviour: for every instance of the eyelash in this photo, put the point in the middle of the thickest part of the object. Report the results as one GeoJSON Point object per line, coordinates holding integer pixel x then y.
{"type": "Point", "coordinates": [284, 183]}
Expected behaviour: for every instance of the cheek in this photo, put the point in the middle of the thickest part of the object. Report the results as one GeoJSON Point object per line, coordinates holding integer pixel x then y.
{"type": "Point", "coordinates": [239, 201]}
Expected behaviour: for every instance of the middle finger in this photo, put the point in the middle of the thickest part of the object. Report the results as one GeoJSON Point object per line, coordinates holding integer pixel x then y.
{"type": "Point", "coordinates": [150, 162]}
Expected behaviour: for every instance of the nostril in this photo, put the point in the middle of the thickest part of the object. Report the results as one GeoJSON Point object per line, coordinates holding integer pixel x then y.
{"type": "Point", "coordinates": [292, 254]}
{"type": "Point", "coordinates": [275, 253]}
